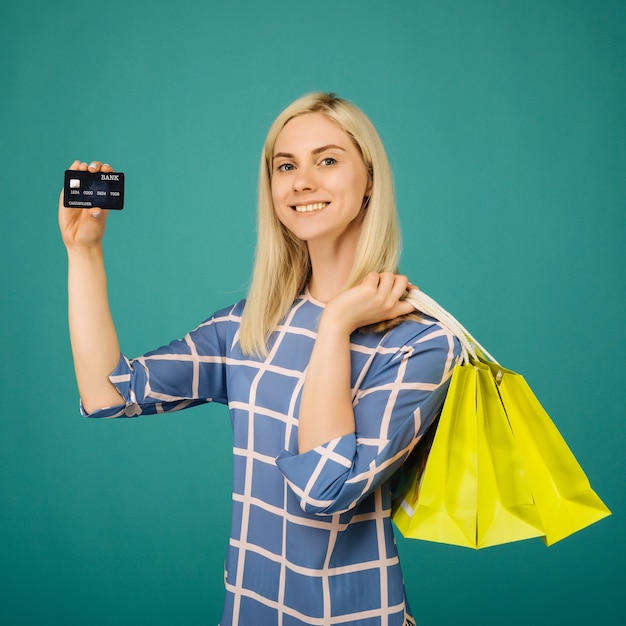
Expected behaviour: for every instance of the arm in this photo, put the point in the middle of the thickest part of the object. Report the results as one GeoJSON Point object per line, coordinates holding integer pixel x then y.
{"type": "Point", "coordinates": [398, 393]}
{"type": "Point", "coordinates": [326, 407]}
{"type": "Point", "coordinates": [95, 346]}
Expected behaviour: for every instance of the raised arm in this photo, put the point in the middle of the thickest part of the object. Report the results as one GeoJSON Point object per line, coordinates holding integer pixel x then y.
{"type": "Point", "coordinates": [95, 346]}
{"type": "Point", "coordinates": [348, 446]}
{"type": "Point", "coordinates": [326, 408]}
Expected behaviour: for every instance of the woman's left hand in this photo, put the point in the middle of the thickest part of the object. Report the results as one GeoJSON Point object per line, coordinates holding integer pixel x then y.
{"type": "Point", "coordinates": [375, 300]}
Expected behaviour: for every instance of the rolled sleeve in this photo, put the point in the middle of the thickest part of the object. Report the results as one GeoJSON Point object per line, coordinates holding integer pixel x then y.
{"type": "Point", "coordinates": [400, 398]}
{"type": "Point", "coordinates": [120, 377]}
{"type": "Point", "coordinates": [184, 373]}
{"type": "Point", "coordinates": [318, 476]}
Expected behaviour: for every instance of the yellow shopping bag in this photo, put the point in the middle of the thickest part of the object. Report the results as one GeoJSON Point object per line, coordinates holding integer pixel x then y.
{"type": "Point", "coordinates": [498, 470]}
{"type": "Point", "coordinates": [473, 490]}
{"type": "Point", "coordinates": [560, 487]}
{"type": "Point", "coordinates": [441, 504]}
{"type": "Point", "coordinates": [507, 510]}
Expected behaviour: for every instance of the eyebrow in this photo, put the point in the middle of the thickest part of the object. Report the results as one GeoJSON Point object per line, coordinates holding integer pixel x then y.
{"type": "Point", "coordinates": [330, 146]}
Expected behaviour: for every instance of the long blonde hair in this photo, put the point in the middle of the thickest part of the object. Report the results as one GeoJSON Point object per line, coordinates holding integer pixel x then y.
{"type": "Point", "coordinates": [282, 266]}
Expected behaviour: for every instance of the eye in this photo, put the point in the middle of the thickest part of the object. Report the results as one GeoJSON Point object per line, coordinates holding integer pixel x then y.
{"type": "Point", "coordinates": [285, 167]}
{"type": "Point", "coordinates": [328, 161]}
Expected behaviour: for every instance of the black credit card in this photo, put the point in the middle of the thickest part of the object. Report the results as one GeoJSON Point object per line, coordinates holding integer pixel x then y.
{"type": "Point", "coordinates": [84, 190]}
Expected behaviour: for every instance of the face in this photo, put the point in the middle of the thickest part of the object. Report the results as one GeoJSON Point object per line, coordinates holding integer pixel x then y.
{"type": "Point", "coordinates": [319, 180]}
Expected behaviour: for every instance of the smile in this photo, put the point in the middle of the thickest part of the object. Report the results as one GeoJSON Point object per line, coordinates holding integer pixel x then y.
{"type": "Point", "coordinates": [308, 208]}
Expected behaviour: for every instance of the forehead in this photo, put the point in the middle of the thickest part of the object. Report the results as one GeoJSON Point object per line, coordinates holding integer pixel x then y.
{"type": "Point", "coordinates": [310, 131]}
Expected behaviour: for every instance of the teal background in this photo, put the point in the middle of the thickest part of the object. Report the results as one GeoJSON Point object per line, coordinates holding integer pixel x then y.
{"type": "Point", "coordinates": [506, 126]}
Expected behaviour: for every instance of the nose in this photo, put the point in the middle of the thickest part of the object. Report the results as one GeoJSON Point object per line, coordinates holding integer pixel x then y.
{"type": "Point", "coordinates": [304, 179]}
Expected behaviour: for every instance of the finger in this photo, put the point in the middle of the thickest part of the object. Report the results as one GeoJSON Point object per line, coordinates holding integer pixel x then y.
{"type": "Point", "coordinates": [98, 213]}
{"type": "Point", "coordinates": [403, 308]}
{"type": "Point", "coordinates": [400, 285]}
{"type": "Point", "coordinates": [386, 280]}
{"type": "Point", "coordinates": [94, 166]}
{"type": "Point", "coordinates": [371, 280]}
{"type": "Point", "coordinates": [393, 285]}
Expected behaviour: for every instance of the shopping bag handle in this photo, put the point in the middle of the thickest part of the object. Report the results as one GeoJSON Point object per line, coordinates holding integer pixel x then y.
{"type": "Point", "coordinates": [470, 348]}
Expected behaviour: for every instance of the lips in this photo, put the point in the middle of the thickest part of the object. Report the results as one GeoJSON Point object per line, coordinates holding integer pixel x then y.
{"type": "Point", "coordinates": [310, 208]}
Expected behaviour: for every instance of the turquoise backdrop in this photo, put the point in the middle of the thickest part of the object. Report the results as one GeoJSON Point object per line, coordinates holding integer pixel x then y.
{"type": "Point", "coordinates": [505, 122]}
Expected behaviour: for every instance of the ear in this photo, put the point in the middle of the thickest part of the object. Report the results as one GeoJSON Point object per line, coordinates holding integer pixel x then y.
{"type": "Point", "coordinates": [368, 192]}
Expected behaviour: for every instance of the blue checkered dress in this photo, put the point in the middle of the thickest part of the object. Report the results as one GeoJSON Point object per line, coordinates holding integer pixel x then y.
{"type": "Point", "coordinates": [311, 539]}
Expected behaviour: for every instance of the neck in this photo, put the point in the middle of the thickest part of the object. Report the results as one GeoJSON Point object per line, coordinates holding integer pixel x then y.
{"type": "Point", "coordinates": [331, 265]}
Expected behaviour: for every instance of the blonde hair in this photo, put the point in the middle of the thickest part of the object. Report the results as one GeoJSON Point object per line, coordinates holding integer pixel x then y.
{"type": "Point", "coordinates": [282, 267]}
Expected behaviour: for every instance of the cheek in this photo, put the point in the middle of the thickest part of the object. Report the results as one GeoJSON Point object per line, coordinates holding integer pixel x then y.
{"type": "Point", "coordinates": [359, 185]}
{"type": "Point", "coordinates": [278, 202]}
{"type": "Point", "coordinates": [277, 190]}
{"type": "Point", "coordinates": [358, 178]}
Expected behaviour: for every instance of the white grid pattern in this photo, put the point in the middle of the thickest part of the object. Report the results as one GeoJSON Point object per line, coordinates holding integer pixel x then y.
{"type": "Point", "coordinates": [311, 537]}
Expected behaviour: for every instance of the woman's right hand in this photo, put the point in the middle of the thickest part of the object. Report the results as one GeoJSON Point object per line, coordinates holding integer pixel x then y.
{"type": "Point", "coordinates": [83, 228]}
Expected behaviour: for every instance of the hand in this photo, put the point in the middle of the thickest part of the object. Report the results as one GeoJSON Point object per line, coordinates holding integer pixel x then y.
{"type": "Point", "coordinates": [376, 299]}
{"type": "Point", "coordinates": [83, 227]}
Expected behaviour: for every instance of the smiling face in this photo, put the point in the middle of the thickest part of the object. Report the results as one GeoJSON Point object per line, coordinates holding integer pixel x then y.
{"type": "Point", "coordinates": [319, 181]}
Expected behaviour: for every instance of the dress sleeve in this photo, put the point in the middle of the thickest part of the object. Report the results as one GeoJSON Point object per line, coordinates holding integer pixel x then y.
{"type": "Point", "coordinates": [184, 373]}
{"type": "Point", "coordinates": [398, 399]}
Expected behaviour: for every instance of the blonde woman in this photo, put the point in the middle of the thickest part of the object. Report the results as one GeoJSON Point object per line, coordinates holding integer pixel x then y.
{"type": "Point", "coordinates": [329, 378]}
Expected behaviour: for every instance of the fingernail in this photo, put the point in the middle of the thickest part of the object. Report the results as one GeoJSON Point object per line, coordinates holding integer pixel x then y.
{"type": "Point", "coordinates": [92, 165]}
{"type": "Point", "coordinates": [95, 213]}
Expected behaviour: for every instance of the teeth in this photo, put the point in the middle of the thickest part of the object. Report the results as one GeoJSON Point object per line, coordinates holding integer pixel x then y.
{"type": "Point", "coordinates": [306, 208]}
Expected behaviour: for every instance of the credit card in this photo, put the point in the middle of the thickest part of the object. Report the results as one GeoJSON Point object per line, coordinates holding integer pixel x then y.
{"type": "Point", "coordinates": [84, 190]}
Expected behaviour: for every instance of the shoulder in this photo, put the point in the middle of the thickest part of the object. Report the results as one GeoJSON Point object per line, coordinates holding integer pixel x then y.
{"type": "Point", "coordinates": [418, 328]}
{"type": "Point", "coordinates": [418, 349]}
{"type": "Point", "coordinates": [230, 313]}
{"type": "Point", "coordinates": [419, 345]}
{"type": "Point", "coordinates": [410, 330]}
{"type": "Point", "coordinates": [221, 321]}
{"type": "Point", "coordinates": [426, 336]}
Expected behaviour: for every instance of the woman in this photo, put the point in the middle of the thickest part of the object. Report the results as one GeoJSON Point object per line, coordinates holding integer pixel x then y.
{"type": "Point", "coordinates": [330, 380]}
